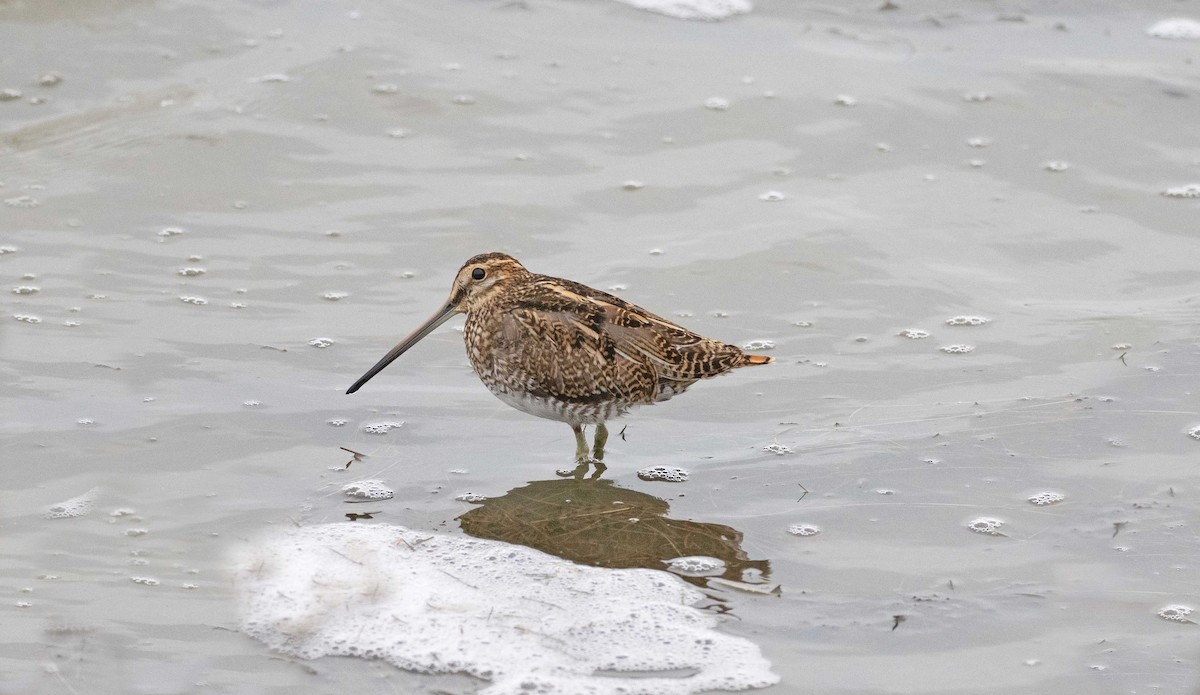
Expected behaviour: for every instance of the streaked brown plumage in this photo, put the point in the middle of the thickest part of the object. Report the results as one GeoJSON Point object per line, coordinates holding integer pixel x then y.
{"type": "Point", "coordinates": [564, 351]}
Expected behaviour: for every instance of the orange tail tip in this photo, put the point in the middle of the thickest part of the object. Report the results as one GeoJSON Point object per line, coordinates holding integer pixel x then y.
{"type": "Point", "coordinates": [758, 359]}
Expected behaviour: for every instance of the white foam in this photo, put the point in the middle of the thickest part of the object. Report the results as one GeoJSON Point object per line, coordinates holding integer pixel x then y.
{"type": "Point", "coordinates": [526, 621]}
{"type": "Point", "coordinates": [1191, 190]}
{"type": "Point", "coordinates": [1176, 28]}
{"type": "Point", "coordinates": [368, 490]}
{"type": "Point", "coordinates": [696, 566]}
{"type": "Point", "coordinates": [708, 10]}
{"type": "Point", "coordinates": [671, 474]}
{"type": "Point", "coordinates": [76, 506]}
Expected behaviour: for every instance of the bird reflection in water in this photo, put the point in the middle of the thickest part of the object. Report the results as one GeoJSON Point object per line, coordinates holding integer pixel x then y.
{"type": "Point", "coordinates": [594, 522]}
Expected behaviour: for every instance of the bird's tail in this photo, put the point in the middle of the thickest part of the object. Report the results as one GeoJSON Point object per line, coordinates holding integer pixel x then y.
{"type": "Point", "coordinates": [748, 360]}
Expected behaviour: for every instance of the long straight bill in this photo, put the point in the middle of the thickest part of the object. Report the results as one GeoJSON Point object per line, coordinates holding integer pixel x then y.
{"type": "Point", "coordinates": [403, 346]}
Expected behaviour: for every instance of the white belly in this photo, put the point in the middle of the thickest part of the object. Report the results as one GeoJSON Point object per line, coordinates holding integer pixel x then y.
{"type": "Point", "coordinates": [551, 409]}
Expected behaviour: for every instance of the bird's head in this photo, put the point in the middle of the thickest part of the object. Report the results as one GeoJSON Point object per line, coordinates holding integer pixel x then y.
{"type": "Point", "coordinates": [481, 277]}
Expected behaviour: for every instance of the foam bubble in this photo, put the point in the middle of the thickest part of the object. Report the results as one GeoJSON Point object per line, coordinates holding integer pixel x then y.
{"type": "Point", "coordinates": [27, 318]}
{"type": "Point", "coordinates": [1042, 499]}
{"type": "Point", "coordinates": [804, 530]}
{"type": "Point", "coordinates": [986, 525]}
{"type": "Point", "coordinates": [957, 349]}
{"type": "Point", "coordinates": [526, 621]}
{"type": "Point", "coordinates": [472, 497]}
{"type": "Point", "coordinates": [22, 201]}
{"type": "Point", "coordinates": [914, 333]}
{"type": "Point", "coordinates": [1175, 28]}
{"type": "Point", "coordinates": [759, 345]}
{"type": "Point", "coordinates": [704, 10]}
{"type": "Point", "coordinates": [368, 490]}
{"type": "Point", "coordinates": [1056, 166]}
{"type": "Point", "coordinates": [1176, 612]}
{"type": "Point", "coordinates": [670, 474]}
{"type": "Point", "coordinates": [26, 289]}
{"type": "Point", "coordinates": [1191, 190]}
{"type": "Point", "coordinates": [76, 506]}
{"type": "Point", "coordinates": [696, 566]}
{"type": "Point", "coordinates": [381, 427]}
{"type": "Point", "coordinates": [777, 449]}
{"type": "Point", "coordinates": [321, 342]}
{"type": "Point", "coordinates": [198, 301]}
{"type": "Point", "coordinates": [335, 296]}
{"type": "Point", "coordinates": [716, 104]}
{"type": "Point", "coordinates": [967, 321]}
{"type": "Point", "coordinates": [1194, 433]}
{"type": "Point", "coordinates": [772, 196]}
{"type": "Point", "coordinates": [191, 272]}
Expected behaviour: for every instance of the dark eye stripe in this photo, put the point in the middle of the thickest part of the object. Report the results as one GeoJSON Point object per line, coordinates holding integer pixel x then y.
{"type": "Point", "coordinates": [478, 273]}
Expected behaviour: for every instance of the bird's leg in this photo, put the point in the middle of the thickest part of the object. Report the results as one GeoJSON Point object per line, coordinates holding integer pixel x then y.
{"type": "Point", "coordinates": [601, 439]}
{"type": "Point", "coordinates": [581, 447]}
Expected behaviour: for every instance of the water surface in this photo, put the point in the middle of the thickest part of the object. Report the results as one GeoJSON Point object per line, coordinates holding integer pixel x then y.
{"type": "Point", "coordinates": [213, 187]}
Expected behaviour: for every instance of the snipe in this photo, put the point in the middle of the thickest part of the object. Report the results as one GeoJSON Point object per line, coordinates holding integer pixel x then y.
{"type": "Point", "coordinates": [564, 351]}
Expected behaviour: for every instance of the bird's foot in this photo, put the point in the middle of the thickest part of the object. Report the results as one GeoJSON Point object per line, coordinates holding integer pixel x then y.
{"type": "Point", "coordinates": [579, 472]}
{"type": "Point", "coordinates": [600, 440]}
{"type": "Point", "coordinates": [582, 460]}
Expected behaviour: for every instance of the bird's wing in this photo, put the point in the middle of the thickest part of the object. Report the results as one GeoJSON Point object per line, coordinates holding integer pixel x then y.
{"type": "Point", "coordinates": [677, 353]}
{"type": "Point", "coordinates": [625, 351]}
{"type": "Point", "coordinates": [558, 343]}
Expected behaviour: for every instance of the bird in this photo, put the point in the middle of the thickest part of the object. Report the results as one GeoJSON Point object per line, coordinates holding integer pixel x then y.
{"type": "Point", "coordinates": [564, 351]}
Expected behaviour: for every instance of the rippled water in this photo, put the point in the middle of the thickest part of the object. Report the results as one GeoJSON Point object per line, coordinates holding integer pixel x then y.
{"type": "Point", "coordinates": [966, 234]}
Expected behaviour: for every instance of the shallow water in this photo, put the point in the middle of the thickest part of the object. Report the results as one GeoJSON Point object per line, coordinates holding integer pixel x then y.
{"type": "Point", "coordinates": [329, 167]}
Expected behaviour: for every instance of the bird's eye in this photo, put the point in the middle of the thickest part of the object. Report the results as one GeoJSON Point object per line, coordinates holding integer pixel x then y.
{"type": "Point", "coordinates": [478, 273]}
